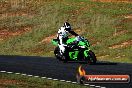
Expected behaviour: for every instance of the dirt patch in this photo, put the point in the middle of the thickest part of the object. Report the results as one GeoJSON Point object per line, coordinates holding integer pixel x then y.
{"type": "Point", "coordinates": [79, 31]}
{"type": "Point", "coordinates": [126, 1]}
{"type": "Point", "coordinates": [123, 44]}
{"type": "Point", "coordinates": [95, 43]}
{"type": "Point", "coordinates": [35, 50]}
{"type": "Point", "coordinates": [128, 16]}
{"type": "Point", "coordinates": [10, 82]}
{"type": "Point", "coordinates": [4, 6]}
{"type": "Point", "coordinates": [120, 32]}
{"type": "Point", "coordinates": [104, 56]}
{"type": "Point", "coordinates": [120, 28]}
{"type": "Point", "coordinates": [6, 32]}
{"type": "Point", "coordinates": [14, 14]}
{"type": "Point", "coordinates": [48, 39]}
{"type": "Point", "coordinates": [7, 10]}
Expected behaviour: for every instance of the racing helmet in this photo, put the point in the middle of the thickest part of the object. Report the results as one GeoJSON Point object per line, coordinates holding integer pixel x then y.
{"type": "Point", "coordinates": [67, 26]}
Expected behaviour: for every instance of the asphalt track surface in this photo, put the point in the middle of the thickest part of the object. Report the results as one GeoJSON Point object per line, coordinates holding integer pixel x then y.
{"type": "Point", "coordinates": [50, 67]}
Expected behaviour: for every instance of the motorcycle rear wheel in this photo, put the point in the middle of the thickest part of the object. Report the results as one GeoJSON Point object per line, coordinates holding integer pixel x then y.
{"type": "Point", "coordinates": [57, 53]}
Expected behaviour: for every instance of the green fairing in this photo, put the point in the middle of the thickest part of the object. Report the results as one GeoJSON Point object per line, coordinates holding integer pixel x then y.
{"type": "Point", "coordinates": [70, 40]}
{"type": "Point", "coordinates": [82, 43]}
{"type": "Point", "coordinates": [77, 49]}
{"type": "Point", "coordinates": [88, 43]}
{"type": "Point", "coordinates": [73, 55]}
{"type": "Point", "coordinates": [86, 53]}
{"type": "Point", "coordinates": [55, 42]}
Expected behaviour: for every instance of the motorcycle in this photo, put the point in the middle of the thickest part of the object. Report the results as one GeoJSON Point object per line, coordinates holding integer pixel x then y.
{"type": "Point", "coordinates": [77, 50]}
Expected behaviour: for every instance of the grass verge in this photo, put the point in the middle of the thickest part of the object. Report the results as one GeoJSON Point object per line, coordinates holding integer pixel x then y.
{"type": "Point", "coordinates": [19, 81]}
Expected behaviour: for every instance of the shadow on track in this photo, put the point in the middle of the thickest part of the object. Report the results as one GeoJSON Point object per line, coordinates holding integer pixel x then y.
{"type": "Point", "coordinates": [80, 62]}
{"type": "Point", "coordinates": [98, 63]}
{"type": "Point", "coordinates": [105, 63]}
{"type": "Point", "coordinates": [17, 57]}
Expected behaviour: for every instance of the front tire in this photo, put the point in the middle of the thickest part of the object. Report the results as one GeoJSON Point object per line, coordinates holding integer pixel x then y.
{"type": "Point", "coordinates": [64, 59]}
{"type": "Point", "coordinates": [92, 57]}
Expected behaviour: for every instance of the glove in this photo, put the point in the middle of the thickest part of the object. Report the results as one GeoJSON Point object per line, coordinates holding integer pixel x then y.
{"type": "Point", "coordinates": [65, 45]}
{"type": "Point", "coordinates": [78, 38]}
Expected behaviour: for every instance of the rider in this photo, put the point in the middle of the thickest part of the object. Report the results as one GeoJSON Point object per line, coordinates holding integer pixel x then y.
{"type": "Point", "coordinates": [62, 36]}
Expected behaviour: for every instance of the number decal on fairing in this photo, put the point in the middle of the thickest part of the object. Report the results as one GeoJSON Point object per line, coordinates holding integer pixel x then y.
{"type": "Point", "coordinates": [73, 55]}
{"type": "Point", "coordinates": [86, 53]}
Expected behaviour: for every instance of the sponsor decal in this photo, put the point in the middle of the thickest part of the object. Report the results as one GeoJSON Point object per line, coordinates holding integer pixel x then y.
{"type": "Point", "coordinates": [82, 78]}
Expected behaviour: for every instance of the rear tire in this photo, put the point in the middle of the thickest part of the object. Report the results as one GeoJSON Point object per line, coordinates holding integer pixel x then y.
{"type": "Point", "coordinates": [65, 58]}
{"type": "Point", "coordinates": [65, 61]}
{"type": "Point", "coordinates": [57, 53]}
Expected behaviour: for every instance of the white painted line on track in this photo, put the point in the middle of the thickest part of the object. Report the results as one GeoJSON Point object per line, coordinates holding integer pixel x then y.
{"type": "Point", "coordinates": [97, 86]}
{"type": "Point", "coordinates": [51, 79]}
{"type": "Point", "coordinates": [43, 77]}
{"type": "Point", "coordinates": [91, 85]}
{"type": "Point", "coordinates": [9, 72]}
{"type": "Point", "coordinates": [2, 71]}
{"type": "Point", "coordinates": [68, 81]}
{"type": "Point", "coordinates": [74, 82]}
{"type": "Point", "coordinates": [55, 79]}
{"type": "Point", "coordinates": [36, 76]}
{"type": "Point", "coordinates": [17, 73]}
{"type": "Point", "coordinates": [62, 80]}
{"type": "Point", "coordinates": [23, 74]}
{"type": "Point", "coordinates": [30, 75]}
{"type": "Point", "coordinates": [86, 84]}
{"type": "Point", "coordinates": [102, 87]}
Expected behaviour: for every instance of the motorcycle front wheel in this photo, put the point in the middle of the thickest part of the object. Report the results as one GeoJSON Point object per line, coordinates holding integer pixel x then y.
{"type": "Point", "coordinates": [91, 59]}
